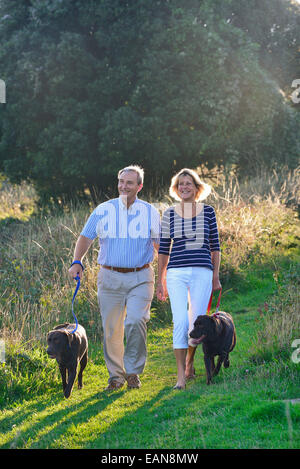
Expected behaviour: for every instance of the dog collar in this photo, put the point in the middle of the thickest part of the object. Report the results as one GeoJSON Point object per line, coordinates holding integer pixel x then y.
{"type": "Point", "coordinates": [216, 314]}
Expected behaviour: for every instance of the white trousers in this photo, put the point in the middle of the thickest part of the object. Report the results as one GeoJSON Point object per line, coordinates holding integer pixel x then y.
{"type": "Point", "coordinates": [189, 290]}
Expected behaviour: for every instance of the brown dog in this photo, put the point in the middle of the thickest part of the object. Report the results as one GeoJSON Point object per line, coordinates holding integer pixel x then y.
{"type": "Point", "coordinates": [218, 337]}
{"type": "Point", "coordinates": [69, 349]}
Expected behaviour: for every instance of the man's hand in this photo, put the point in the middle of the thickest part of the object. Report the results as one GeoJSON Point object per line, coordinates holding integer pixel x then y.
{"type": "Point", "coordinates": [75, 270]}
{"type": "Point", "coordinates": [82, 246]}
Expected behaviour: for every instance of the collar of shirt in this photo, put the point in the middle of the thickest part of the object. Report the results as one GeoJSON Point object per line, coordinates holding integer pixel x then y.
{"type": "Point", "coordinates": [124, 206]}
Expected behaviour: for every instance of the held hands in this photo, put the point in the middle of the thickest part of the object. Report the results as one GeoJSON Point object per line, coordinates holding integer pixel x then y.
{"type": "Point", "coordinates": [161, 291]}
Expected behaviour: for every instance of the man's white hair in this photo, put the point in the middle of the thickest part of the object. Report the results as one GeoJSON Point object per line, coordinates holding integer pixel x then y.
{"type": "Point", "coordinates": [136, 169]}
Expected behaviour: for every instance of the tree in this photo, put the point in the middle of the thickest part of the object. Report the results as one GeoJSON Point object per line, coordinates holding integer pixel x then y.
{"type": "Point", "coordinates": [93, 86]}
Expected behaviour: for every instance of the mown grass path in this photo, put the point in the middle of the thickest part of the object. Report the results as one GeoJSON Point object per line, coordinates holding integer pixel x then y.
{"type": "Point", "coordinates": [246, 407]}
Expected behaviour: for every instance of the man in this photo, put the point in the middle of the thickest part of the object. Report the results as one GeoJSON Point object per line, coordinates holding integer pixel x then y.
{"type": "Point", "coordinates": [128, 230]}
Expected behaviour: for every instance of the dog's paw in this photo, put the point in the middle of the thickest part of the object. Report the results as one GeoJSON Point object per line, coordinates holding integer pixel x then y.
{"type": "Point", "coordinates": [226, 364]}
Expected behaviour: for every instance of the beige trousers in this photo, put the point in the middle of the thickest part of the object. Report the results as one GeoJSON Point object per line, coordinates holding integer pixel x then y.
{"type": "Point", "coordinates": [124, 300]}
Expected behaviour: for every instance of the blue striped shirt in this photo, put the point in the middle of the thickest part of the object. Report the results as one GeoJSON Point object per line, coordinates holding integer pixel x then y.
{"type": "Point", "coordinates": [192, 239]}
{"type": "Point", "coordinates": [125, 236]}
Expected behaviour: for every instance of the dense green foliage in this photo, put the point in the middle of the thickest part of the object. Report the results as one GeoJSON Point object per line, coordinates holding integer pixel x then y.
{"type": "Point", "coordinates": [95, 85]}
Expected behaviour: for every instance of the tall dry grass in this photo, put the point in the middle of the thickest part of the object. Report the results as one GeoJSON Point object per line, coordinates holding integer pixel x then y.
{"type": "Point", "coordinates": [16, 201]}
{"type": "Point", "coordinates": [280, 320]}
{"type": "Point", "coordinates": [35, 291]}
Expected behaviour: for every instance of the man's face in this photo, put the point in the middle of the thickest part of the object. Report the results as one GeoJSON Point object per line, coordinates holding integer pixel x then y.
{"type": "Point", "coordinates": [128, 185]}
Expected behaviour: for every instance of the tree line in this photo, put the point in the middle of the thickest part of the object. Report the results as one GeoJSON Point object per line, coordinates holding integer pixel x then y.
{"type": "Point", "coordinates": [95, 85]}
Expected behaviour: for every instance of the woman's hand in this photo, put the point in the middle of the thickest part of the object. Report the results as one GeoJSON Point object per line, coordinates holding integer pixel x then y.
{"type": "Point", "coordinates": [216, 283]}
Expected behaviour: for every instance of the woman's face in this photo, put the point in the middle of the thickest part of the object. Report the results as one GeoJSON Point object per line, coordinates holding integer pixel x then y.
{"type": "Point", "coordinates": [186, 189]}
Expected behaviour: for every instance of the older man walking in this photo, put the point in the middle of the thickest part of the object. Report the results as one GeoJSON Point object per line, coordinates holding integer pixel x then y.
{"type": "Point", "coordinates": [128, 231]}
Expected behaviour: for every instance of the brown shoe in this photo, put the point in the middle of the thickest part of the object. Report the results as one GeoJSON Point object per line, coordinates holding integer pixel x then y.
{"type": "Point", "coordinates": [133, 382]}
{"type": "Point", "coordinates": [113, 385]}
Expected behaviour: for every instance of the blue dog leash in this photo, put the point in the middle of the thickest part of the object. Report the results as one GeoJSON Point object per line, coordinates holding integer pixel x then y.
{"type": "Point", "coordinates": [77, 278]}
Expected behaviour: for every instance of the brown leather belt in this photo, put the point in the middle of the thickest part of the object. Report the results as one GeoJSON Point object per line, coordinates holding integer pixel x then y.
{"type": "Point", "coordinates": [125, 270]}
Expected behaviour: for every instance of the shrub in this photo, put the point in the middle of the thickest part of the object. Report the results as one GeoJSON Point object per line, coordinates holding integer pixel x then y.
{"type": "Point", "coordinates": [280, 320]}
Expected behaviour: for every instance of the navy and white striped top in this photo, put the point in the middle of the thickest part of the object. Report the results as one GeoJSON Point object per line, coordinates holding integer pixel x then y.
{"type": "Point", "coordinates": [192, 239]}
{"type": "Point", "coordinates": [126, 237]}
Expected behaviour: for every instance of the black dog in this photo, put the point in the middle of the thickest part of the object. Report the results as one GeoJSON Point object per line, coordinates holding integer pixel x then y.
{"type": "Point", "coordinates": [68, 349]}
{"type": "Point", "coordinates": [218, 337]}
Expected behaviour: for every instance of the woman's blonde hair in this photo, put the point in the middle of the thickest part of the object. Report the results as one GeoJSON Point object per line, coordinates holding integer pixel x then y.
{"type": "Point", "coordinates": [203, 189]}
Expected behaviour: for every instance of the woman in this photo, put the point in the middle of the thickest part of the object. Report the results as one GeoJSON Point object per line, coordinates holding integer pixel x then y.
{"type": "Point", "coordinates": [190, 271]}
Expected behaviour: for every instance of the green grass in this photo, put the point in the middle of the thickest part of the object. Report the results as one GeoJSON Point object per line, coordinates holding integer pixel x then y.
{"type": "Point", "coordinates": [246, 407]}
{"type": "Point", "coordinates": [243, 409]}
{"type": "Point", "coordinates": [252, 404]}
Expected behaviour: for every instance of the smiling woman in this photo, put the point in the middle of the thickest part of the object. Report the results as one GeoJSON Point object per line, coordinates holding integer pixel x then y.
{"type": "Point", "coordinates": [189, 270]}
{"type": "Point", "coordinates": [186, 185]}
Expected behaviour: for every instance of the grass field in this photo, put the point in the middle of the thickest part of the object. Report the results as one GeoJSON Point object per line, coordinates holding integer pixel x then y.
{"type": "Point", "coordinates": [253, 404]}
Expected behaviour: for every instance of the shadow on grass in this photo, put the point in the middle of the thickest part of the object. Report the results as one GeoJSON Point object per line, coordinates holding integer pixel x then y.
{"type": "Point", "coordinates": [57, 421]}
{"type": "Point", "coordinates": [73, 422]}
{"type": "Point", "coordinates": [159, 422]}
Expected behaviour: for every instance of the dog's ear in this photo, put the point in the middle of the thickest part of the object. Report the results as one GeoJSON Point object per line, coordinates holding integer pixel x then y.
{"type": "Point", "coordinates": [48, 334]}
{"type": "Point", "coordinates": [70, 337]}
{"type": "Point", "coordinates": [61, 326]}
{"type": "Point", "coordinates": [217, 324]}
{"type": "Point", "coordinates": [68, 334]}
{"type": "Point", "coordinates": [73, 336]}
{"type": "Point", "coordinates": [210, 326]}
{"type": "Point", "coordinates": [197, 321]}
